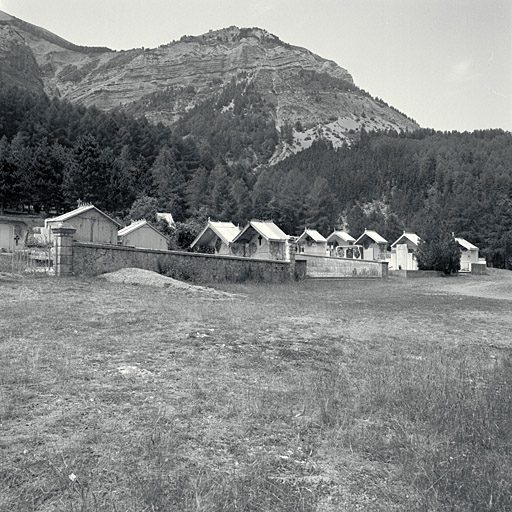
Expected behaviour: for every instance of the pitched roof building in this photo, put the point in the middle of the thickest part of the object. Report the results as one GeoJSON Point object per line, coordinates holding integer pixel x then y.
{"type": "Point", "coordinates": [92, 225]}
{"type": "Point", "coordinates": [261, 239]}
{"type": "Point", "coordinates": [374, 246]}
{"type": "Point", "coordinates": [142, 234]}
{"type": "Point", "coordinates": [217, 236]}
{"type": "Point", "coordinates": [312, 242]}
{"type": "Point", "coordinates": [403, 252]}
{"type": "Point", "coordinates": [469, 254]}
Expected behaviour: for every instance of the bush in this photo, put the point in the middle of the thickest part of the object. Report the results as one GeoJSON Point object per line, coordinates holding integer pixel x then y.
{"type": "Point", "coordinates": [438, 249]}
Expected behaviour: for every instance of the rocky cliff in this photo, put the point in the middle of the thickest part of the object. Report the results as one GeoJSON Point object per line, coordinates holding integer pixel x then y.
{"type": "Point", "coordinates": [307, 95]}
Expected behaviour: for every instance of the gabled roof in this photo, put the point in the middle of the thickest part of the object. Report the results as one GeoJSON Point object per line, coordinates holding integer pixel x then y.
{"type": "Point", "coordinates": [137, 225]}
{"type": "Point", "coordinates": [373, 235]}
{"type": "Point", "coordinates": [313, 234]}
{"type": "Point", "coordinates": [266, 228]}
{"type": "Point", "coordinates": [412, 237]}
{"type": "Point", "coordinates": [226, 231]}
{"type": "Point", "coordinates": [467, 245]}
{"type": "Point", "coordinates": [341, 234]}
{"type": "Point", "coordinates": [82, 209]}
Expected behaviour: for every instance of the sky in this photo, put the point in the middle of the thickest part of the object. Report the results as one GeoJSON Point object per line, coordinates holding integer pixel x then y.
{"type": "Point", "coordinates": [445, 63]}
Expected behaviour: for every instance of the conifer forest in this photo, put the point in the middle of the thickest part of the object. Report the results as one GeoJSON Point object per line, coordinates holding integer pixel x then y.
{"type": "Point", "coordinates": [53, 153]}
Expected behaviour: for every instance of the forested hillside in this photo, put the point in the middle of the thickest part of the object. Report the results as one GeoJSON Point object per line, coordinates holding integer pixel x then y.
{"type": "Point", "coordinates": [390, 182]}
{"type": "Point", "coordinates": [53, 153]}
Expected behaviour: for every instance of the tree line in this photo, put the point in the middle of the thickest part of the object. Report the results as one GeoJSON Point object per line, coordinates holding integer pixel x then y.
{"type": "Point", "coordinates": [213, 164]}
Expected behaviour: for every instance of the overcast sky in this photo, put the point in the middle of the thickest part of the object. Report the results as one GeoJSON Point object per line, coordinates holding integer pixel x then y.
{"type": "Point", "coordinates": [445, 63]}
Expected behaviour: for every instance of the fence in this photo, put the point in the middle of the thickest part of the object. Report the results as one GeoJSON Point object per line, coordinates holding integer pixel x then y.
{"type": "Point", "coordinates": [28, 261]}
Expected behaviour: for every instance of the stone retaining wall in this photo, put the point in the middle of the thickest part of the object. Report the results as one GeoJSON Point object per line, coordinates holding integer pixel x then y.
{"type": "Point", "coordinates": [329, 267]}
{"type": "Point", "coordinates": [94, 259]}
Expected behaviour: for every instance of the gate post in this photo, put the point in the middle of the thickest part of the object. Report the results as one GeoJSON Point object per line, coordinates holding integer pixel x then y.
{"type": "Point", "coordinates": [291, 248]}
{"type": "Point", "coordinates": [63, 245]}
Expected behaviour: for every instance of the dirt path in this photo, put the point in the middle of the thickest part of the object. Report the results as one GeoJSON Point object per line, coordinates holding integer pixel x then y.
{"type": "Point", "coordinates": [496, 284]}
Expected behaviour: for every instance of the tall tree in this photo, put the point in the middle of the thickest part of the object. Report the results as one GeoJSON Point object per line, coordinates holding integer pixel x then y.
{"type": "Point", "coordinates": [169, 183]}
{"type": "Point", "coordinates": [89, 175]}
{"type": "Point", "coordinates": [438, 249]}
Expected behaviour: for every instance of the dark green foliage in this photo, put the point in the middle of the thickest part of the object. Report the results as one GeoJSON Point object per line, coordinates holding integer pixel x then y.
{"type": "Point", "coordinates": [55, 153]}
{"type": "Point", "coordinates": [9, 193]}
{"type": "Point", "coordinates": [321, 211]}
{"type": "Point", "coordinates": [236, 126]}
{"type": "Point", "coordinates": [169, 183]}
{"type": "Point", "coordinates": [144, 208]}
{"type": "Point", "coordinates": [465, 177]}
{"type": "Point", "coordinates": [87, 178]}
{"type": "Point", "coordinates": [186, 232]}
{"type": "Point", "coordinates": [214, 164]}
{"type": "Point", "coordinates": [438, 249]}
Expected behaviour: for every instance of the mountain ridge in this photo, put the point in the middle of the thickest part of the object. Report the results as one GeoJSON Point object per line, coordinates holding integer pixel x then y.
{"type": "Point", "coordinates": [308, 97]}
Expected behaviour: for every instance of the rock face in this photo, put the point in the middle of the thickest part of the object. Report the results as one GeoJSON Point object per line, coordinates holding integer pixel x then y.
{"type": "Point", "coordinates": [311, 96]}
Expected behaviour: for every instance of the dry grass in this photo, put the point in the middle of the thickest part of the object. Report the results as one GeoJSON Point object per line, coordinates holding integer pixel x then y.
{"type": "Point", "coordinates": [310, 396]}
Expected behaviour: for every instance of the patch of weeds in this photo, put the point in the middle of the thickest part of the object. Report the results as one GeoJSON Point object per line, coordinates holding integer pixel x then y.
{"type": "Point", "coordinates": [444, 420]}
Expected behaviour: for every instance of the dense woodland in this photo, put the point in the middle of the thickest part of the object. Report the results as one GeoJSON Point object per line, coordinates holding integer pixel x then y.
{"type": "Point", "coordinates": [212, 164]}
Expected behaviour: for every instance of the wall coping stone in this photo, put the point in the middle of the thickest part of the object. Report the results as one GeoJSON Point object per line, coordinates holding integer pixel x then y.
{"type": "Point", "coordinates": [304, 257]}
{"type": "Point", "coordinates": [61, 228]}
{"type": "Point", "coordinates": [182, 253]}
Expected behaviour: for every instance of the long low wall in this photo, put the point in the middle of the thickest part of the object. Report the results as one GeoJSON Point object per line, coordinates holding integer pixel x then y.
{"type": "Point", "coordinates": [94, 259]}
{"type": "Point", "coordinates": [329, 267]}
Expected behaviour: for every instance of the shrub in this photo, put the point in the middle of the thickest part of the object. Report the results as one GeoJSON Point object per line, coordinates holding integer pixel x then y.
{"type": "Point", "coordinates": [438, 249]}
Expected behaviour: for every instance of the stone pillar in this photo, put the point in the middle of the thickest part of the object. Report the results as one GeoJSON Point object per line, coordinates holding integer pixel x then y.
{"type": "Point", "coordinates": [63, 246]}
{"type": "Point", "coordinates": [291, 247]}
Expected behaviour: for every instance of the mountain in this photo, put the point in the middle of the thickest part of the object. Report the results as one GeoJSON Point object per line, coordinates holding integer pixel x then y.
{"type": "Point", "coordinates": [302, 95]}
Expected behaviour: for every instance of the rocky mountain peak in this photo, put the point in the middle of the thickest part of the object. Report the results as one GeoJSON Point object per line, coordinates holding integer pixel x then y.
{"type": "Point", "coordinates": [308, 96]}
{"type": "Point", "coordinates": [235, 34]}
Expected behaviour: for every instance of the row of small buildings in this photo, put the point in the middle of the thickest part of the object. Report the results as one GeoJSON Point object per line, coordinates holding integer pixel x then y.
{"type": "Point", "coordinates": [262, 239]}
{"type": "Point", "coordinates": [258, 239]}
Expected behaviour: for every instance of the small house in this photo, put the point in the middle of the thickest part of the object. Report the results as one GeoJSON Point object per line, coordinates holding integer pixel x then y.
{"type": "Point", "coordinates": [143, 235]}
{"type": "Point", "coordinates": [91, 224]}
{"type": "Point", "coordinates": [13, 233]}
{"type": "Point", "coordinates": [469, 254]}
{"type": "Point", "coordinates": [216, 236]}
{"type": "Point", "coordinates": [403, 252]}
{"type": "Point", "coordinates": [262, 240]}
{"type": "Point", "coordinates": [312, 242]}
{"type": "Point", "coordinates": [341, 244]}
{"type": "Point", "coordinates": [374, 246]}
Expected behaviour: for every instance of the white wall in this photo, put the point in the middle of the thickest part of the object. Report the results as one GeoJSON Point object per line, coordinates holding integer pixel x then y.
{"type": "Point", "coordinates": [146, 238]}
{"type": "Point", "coordinates": [91, 226]}
{"type": "Point", "coordinates": [7, 237]}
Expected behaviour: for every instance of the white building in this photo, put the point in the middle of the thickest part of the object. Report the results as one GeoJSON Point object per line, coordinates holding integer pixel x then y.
{"type": "Point", "coordinates": [469, 254]}
{"type": "Point", "coordinates": [374, 246]}
{"type": "Point", "coordinates": [217, 236]}
{"type": "Point", "coordinates": [403, 252]}
{"type": "Point", "coordinates": [263, 240]}
{"type": "Point", "coordinates": [341, 244]}
{"type": "Point", "coordinates": [143, 235]}
{"type": "Point", "coordinates": [91, 224]}
{"type": "Point", "coordinates": [312, 242]}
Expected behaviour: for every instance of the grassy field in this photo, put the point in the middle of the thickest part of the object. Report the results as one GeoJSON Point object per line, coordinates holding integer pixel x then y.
{"type": "Point", "coordinates": [312, 396]}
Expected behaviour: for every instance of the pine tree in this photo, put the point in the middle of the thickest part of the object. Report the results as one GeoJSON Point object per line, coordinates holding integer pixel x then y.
{"type": "Point", "coordinates": [169, 184]}
{"type": "Point", "coordinates": [87, 178]}
{"type": "Point", "coordinates": [321, 213]}
{"type": "Point", "coordinates": [7, 175]}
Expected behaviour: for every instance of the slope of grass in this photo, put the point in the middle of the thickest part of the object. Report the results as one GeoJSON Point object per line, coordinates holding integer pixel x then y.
{"type": "Point", "coordinates": [312, 396]}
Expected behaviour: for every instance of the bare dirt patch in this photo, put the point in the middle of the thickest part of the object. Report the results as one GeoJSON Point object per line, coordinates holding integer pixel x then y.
{"type": "Point", "coordinates": [496, 284]}
{"type": "Point", "coordinates": [138, 276]}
